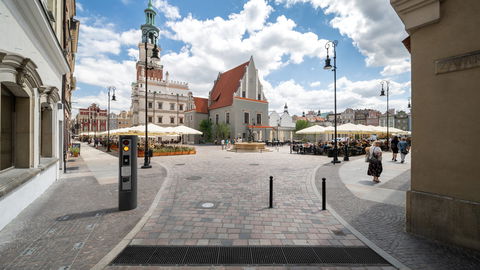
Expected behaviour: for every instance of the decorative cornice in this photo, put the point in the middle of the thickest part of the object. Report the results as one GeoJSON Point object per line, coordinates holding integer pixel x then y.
{"type": "Point", "coordinates": [417, 13]}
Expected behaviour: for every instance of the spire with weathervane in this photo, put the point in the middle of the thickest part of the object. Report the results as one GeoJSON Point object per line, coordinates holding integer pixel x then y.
{"type": "Point", "coordinates": [149, 26]}
{"type": "Point", "coordinates": [150, 34]}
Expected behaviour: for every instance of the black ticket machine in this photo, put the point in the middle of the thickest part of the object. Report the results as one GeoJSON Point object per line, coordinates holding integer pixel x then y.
{"type": "Point", "coordinates": [127, 189]}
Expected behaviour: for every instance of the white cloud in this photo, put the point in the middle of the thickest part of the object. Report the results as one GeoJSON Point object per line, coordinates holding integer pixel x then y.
{"type": "Point", "coordinates": [218, 44]}
{"type": "Point", "coordinates": [131, 37]}
{"type": "Point", "coordinates": [315, 84]}
{"type": "Point", "coordinates": [170, 12]}
{"type": "Point", "coordinates": [350, 94]}
{"type": "Point", "coordinates": [374, 28]}
{"type": "Point", "coordinates": [79, 6]}
{"type": "Point", "coordinates": [133, 53]}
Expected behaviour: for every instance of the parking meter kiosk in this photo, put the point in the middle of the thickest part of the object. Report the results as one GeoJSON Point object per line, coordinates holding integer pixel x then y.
{"type": "Point", "coordinates": [127, 189]}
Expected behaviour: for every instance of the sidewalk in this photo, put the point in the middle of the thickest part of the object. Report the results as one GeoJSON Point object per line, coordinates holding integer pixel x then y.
{"type": "Point", "coordinates": [354, 175]}
{"type": "Point", "coordinates": [381, 218]}
{"type": "Point", "coordinates": [76, 221]}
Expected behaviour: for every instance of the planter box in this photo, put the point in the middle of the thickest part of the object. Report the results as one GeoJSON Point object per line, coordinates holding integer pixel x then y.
{"type": "Point", "coordinates": [157, 154]}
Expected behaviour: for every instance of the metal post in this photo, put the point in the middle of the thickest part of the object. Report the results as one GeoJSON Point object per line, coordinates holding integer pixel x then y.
{"type": "Point", "coordinates": [388, 116]}
{"type": "Point", "coordinates": [335, 151]}
{"type": "Point", "coordinates": [146, 160]}
{"type": "Point", "coordinates": [178, 120]}
{"type": "Point", "coordinates": [324, 195]}
{"type": "Point", "coordinates": [345, 157]}
{"type": "Point", "coordinates": [271, 192]}
{"type": "Point", "coordinates": [108, 123]}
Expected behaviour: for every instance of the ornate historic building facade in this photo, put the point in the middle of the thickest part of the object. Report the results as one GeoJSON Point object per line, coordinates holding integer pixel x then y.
{"type": "Point", "coordinates": [167, 99]}
{"type": "Point", "coordinates": [37, 47]}
{"type": "Point", "coordinates": [237, 100]}
{"type": "Point", "coordinates": [92, 119]}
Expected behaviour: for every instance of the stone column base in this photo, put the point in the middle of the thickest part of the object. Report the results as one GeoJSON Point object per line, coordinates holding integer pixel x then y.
{"type": "Point", "coordinates": [443, 218]}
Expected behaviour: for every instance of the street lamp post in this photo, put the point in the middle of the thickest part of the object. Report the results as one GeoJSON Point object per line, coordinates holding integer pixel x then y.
{"type": "Point", "coordinates": [153, 106]}
{"type": "Point", "coordinates": [152, 35]}
{"type": "Point", "coordinates": [178, 119]}
{"type": "Point", "coordinates": [382, 93]}
{"type": "Point", "coordinates": [328, 66]}
{"type": "Point", "coordinates": [95, 114]}
{"type": "Point", "coordinates": [110, 88]}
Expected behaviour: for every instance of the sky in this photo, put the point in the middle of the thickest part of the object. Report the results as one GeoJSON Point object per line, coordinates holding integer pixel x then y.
{"type": "Point", "coordinates": [286, 38]}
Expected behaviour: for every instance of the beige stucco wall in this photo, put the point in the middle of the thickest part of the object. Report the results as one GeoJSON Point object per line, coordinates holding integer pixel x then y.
{"type": "Point", "coordinates": [446, 106]}
{"type": "Point", "coordinates": [444, 201]}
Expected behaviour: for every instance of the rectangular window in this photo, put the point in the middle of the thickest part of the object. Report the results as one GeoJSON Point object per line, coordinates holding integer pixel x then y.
{"type": "Point", "coordinates": [181, 120]}
{"type": "Point", "coordinates": [259, 96]}
{"type": "Point", "coordinates": [244, 94]}
{"type": "Point", "coordinates": [216, 119]}
{"type": "Point", "coordinates": [227, 118]}
{"type": "Point", "coordinates": [191, 117]}
{"type": "Point", "coordinates": [160, 119]}
{"type": "Point", "coordinates": [150, 119]}
{"type": "Point", "coordinates": [172, 120]}
{"type": "Point", "coordinates": [172, 106]}
{"type": "Point", "coordinates": [160, 105]}
{"type": "Point", "coordinates": [150, 105]}
{"type": "Point", "coordinates": [259, 118]}
{"type": "Point", "coordinates": [246, 116]}
{"type": "Point", "coordinates": [181, 107]}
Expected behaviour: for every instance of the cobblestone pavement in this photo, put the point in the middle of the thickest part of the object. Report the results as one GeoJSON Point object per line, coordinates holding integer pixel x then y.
{"type": "Point", "coordinates": [236, 185]}
{"type": "Point", "coordinates": [384, 224]}
{"type": "Point", "coordinates": [75, 222]}
{"type": "Point", "coordinates": [221, 198]}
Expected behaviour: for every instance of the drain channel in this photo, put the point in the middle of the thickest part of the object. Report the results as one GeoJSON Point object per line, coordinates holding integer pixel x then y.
{"type": "Point", "coordinates": [247, 255]}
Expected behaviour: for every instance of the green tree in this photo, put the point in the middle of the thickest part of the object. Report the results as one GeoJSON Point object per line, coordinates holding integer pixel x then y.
{"type": "Point", "coordinates": [206, 128]}
{"type": "Point", "coordinates": [301, 124]}
{"type": "Point", "coordinates": [221, 131]}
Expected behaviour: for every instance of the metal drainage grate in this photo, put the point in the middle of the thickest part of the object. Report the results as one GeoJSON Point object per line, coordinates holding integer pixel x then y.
{"type": "Point", "coordinates": [247, 255]}
{"type": "Point", "coordinates": [253, 164]}
{"type": "Point", "coordinates": [179, 164]}
{"type": "Point", "coordinates": [194, 177]}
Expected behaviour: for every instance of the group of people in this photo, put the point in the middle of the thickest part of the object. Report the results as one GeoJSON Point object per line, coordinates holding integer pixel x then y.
{"type": "Point", "coordinates": [373, 155]}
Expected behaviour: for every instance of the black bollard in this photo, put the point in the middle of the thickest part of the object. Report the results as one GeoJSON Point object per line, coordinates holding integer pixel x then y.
{"type": "Point", "coordinates": [324, 195]}
{"type": "Point", "coordinates": [345, 157]}
{"type": "Point", "coordinates": [271, 192]}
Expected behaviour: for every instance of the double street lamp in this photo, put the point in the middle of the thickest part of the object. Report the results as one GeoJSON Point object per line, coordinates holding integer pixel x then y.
{"type": "Point", "coordinates": [382, 94]}
{"type": "Point", "coordinates": [328, 66]}
{"type": "Point", "coordinates": [151, 35]}
{"type": "Point", "coordinates": [110, 88]}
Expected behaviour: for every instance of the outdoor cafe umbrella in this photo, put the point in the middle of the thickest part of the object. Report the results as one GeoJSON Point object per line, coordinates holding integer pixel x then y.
{"type": "Point", "coordinates": [152, 130]}
{"type": "Point", "coordinates": [183, 130]}
{"type": "Point", "coordinates": [316, 129]}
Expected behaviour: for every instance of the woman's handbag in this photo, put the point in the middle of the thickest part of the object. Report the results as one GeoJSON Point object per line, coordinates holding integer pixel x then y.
{"type": "Point", "coordinates": [405, 152]}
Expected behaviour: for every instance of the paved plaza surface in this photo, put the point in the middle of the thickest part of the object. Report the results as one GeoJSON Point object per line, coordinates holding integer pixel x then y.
{"type": "Point", "coordinates": [219, 198]}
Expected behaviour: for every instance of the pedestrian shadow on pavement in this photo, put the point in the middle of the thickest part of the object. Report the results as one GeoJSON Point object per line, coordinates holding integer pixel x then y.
{"type": "Point", "coordinates": [95, 213]}
{"type": "Point", "coordinates": [367, 182]}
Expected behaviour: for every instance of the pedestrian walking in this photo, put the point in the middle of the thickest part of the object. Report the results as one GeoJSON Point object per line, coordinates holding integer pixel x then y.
{"type": "Point", "coordinates": [375, 161]}
{"type": "Point", "coordinates": [394, 146]}
{"type": "Point", "coordinates": [404, 149]}
{"type": "Point", "coordinates": [223, 144]}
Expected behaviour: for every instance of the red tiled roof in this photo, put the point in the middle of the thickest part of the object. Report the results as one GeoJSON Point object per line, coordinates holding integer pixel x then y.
{"type": "Point", "coordinates": [225, 86]}
{"type": "Point", "coordinates": [201, 105]}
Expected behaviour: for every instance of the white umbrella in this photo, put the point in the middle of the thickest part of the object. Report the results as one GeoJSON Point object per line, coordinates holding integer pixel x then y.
{"type": "Point", "coordinates": [183, 130]}
{"type": "Point", "coordinates": [312, 130]}
{"type": "Point", "coordinates": [152, 128]}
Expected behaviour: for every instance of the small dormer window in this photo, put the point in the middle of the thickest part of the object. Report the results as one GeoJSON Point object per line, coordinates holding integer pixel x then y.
{"type": "Point", "coordinates": [259, 96]}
